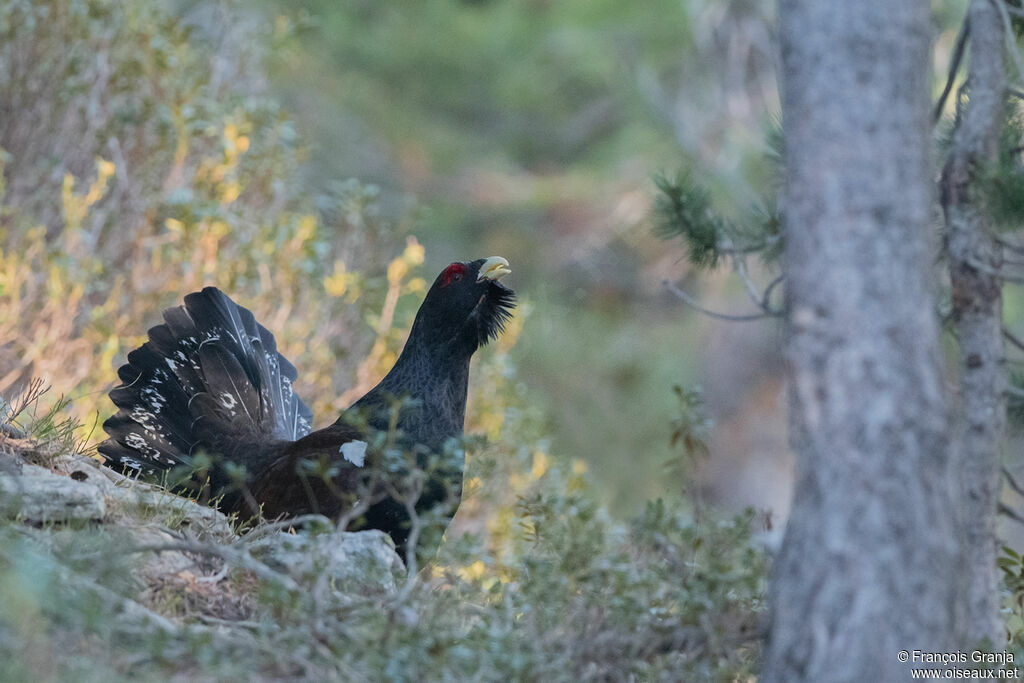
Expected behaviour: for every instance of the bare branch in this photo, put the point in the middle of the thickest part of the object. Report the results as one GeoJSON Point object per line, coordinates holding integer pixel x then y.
{"type": "Point", "coordinates": [766, 303]}
{"type": "Point", "coordinates": [995, 272]}
{"type": "Point", "coordinates": [954, 67]}
{"type": "Point", "coordinates": [1012, 338]}
{"type": "Point", "coordinates": [1003, 242]}
{"type": "Point", "coordinates": [237, 557]}
{"type": "Point", "coordinates": [727, 247]}
{"type": "Point", "coordinates": [1014, 484]}
{"type": "Point", "coordinates": [415, 527]}
{"type": "Point", "coordinates": [739, 264]}
{"type": "Point", "coordinates": [215, 578]}
{"type": "Point", "coordinates": [690, 301]}
{"type": "Point", "coordinates": [1005, 509]}
{"type": "Point", "coordinates": [284, 524]}
{"type": "Point", "coordinates": [370, 494]}
{"type": "Point", "coordinates": [233, 623]}
{"type": "Point", "coordinates": [1016, 11]}
{"type": "Point", "coordinates": [760, 299]}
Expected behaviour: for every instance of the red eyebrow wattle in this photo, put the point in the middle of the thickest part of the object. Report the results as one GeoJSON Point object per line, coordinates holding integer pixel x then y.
{"type": "Point", "coordinates": [450, 272]}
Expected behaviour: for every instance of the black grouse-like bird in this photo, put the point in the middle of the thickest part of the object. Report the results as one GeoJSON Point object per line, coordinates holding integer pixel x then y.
{"type": "Point", "coordinates": [211, 381]}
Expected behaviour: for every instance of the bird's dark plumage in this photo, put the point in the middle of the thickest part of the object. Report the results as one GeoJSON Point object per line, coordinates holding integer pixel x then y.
{"type": "Point", "coordinates": [211, 381]}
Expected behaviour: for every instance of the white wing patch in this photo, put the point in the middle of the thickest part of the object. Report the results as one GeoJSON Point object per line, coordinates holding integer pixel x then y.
{"type": "Point", "coordinates": [228, 401]}
{"type": "Point", "coordinates": [354, 452]}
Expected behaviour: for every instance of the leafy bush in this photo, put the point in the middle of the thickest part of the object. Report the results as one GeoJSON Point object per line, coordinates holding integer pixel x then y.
{"type": "Point", "coordinates": [140, 163]}
{"type": "Point", "coordinates": [535, 582]}
{"type": "Point", "coordinates": [572, 596]}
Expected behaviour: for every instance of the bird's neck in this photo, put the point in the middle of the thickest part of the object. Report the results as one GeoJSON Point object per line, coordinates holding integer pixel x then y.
{"type": "Point", "coordinates": [435, 379]}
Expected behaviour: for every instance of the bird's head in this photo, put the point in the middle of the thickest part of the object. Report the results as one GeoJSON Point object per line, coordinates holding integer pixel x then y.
{"type": "Point", "coordinates": [466, 305]}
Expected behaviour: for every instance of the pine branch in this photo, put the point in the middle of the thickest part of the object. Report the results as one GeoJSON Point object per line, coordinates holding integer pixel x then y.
{"type": "Point", "coordinates": [693, 303]}
{"type": "Point", "coordinates": [954, 67]}
{"type": "Point", "coordinates": [1011, 41]}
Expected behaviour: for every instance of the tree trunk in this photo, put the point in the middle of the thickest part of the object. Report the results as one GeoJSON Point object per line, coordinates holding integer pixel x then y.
{"type": "Point", "coordinates": [974, 257]}
{"type": "Point", "coordinates": [868, 564]}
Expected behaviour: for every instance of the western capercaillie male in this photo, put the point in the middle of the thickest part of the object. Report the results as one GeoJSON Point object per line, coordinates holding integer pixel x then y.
{"type": "Point", "coordinates": [210, 381]}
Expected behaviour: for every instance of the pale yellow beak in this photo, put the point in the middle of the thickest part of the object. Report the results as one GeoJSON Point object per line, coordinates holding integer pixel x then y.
{"type": "Point", "coordinates": [493, 268]}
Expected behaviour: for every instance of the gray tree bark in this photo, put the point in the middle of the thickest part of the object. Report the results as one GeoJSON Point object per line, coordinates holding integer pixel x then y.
{"type": "Point", "coordinates": [974, 258]}
{"type": "Point", "coordinates": [868, 564]}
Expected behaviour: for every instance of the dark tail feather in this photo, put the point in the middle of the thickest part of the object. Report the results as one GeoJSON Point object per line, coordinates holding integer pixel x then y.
{"type": "Point", "coordinates": [254, 347]}
{"type": "Point", "coordinates": [210, 372]}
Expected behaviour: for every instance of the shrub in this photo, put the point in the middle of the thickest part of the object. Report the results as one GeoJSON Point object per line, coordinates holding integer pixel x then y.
{"type": "Point", "coordinates": [141, 162]}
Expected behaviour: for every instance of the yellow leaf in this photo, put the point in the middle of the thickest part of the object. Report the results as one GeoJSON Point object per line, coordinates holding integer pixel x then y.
{"type": "Point", "coordinates": [473, 571]}
{"type": "Point", "coordinates": [414, 252]}
{"type": "Point", "coordinates": [336, 285]}
{"type": "Point", "coordinates": [540, 464]}
{"type": "Point", "coordinates": [230, 192]}
{"type": "Point", "coordinates": [306, 229]}
{"type": "Point", "coordinates": [219, 229]}
{"type": "Point", "coordinates": [104, 168]}
{"type": "Point", "coordinates": [397, 270]}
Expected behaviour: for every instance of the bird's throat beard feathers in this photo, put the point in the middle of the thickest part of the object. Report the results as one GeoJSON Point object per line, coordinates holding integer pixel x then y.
{"type": "Point", "coordinates": [492, 313]}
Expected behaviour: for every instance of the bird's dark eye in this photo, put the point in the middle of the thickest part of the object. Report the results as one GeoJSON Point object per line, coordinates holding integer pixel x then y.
{"type": "Point", "coordinates": [456, 277]}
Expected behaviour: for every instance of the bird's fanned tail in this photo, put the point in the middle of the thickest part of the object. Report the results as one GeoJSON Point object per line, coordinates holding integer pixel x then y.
{"type": "Point", "coordinates": [209, 373]}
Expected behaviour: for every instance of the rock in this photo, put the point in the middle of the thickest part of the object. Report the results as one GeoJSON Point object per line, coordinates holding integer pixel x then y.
{"type": "Point", "coordinates": [360, 563]}
{"type": "Point", "coordinates": [125, 494]}
{"type": "Point", "coordinates": [156, 565]}
{"type": "Point", "coordinates": [37, 495]}
{"type": "Point", "coordinates": [357, 563]}
{"type": "Point", "coordinates": [80, 489]}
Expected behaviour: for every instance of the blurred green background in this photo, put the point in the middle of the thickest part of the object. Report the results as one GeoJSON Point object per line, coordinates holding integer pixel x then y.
{"type": "Point", "coordinates": [532, 130]}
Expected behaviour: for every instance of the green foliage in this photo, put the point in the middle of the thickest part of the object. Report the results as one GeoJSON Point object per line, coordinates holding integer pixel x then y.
{"type": "Point", "coordinates": [585, 599]}
{"type": "Point", "coordinates": [1015, 399]}
{"type": "Point", "coordinates": [553, 589]}
{"type": "Point", "coordinates": [1016, 20]}
{"type": "Point", "coordinates": [44, 428]}
{"type": "Point", "coordinates": [684, 209]}
{"type": "Point", "coordinates": [1002, 184]}
{"type": "Point", "coordinates": [536, 83]}
{"type": "Point", "coordinates": [690, 430]}
{"type": "Point", "coordinates": [1011, 564]}
{"type": "Point", "coordinates": [776, 144]}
